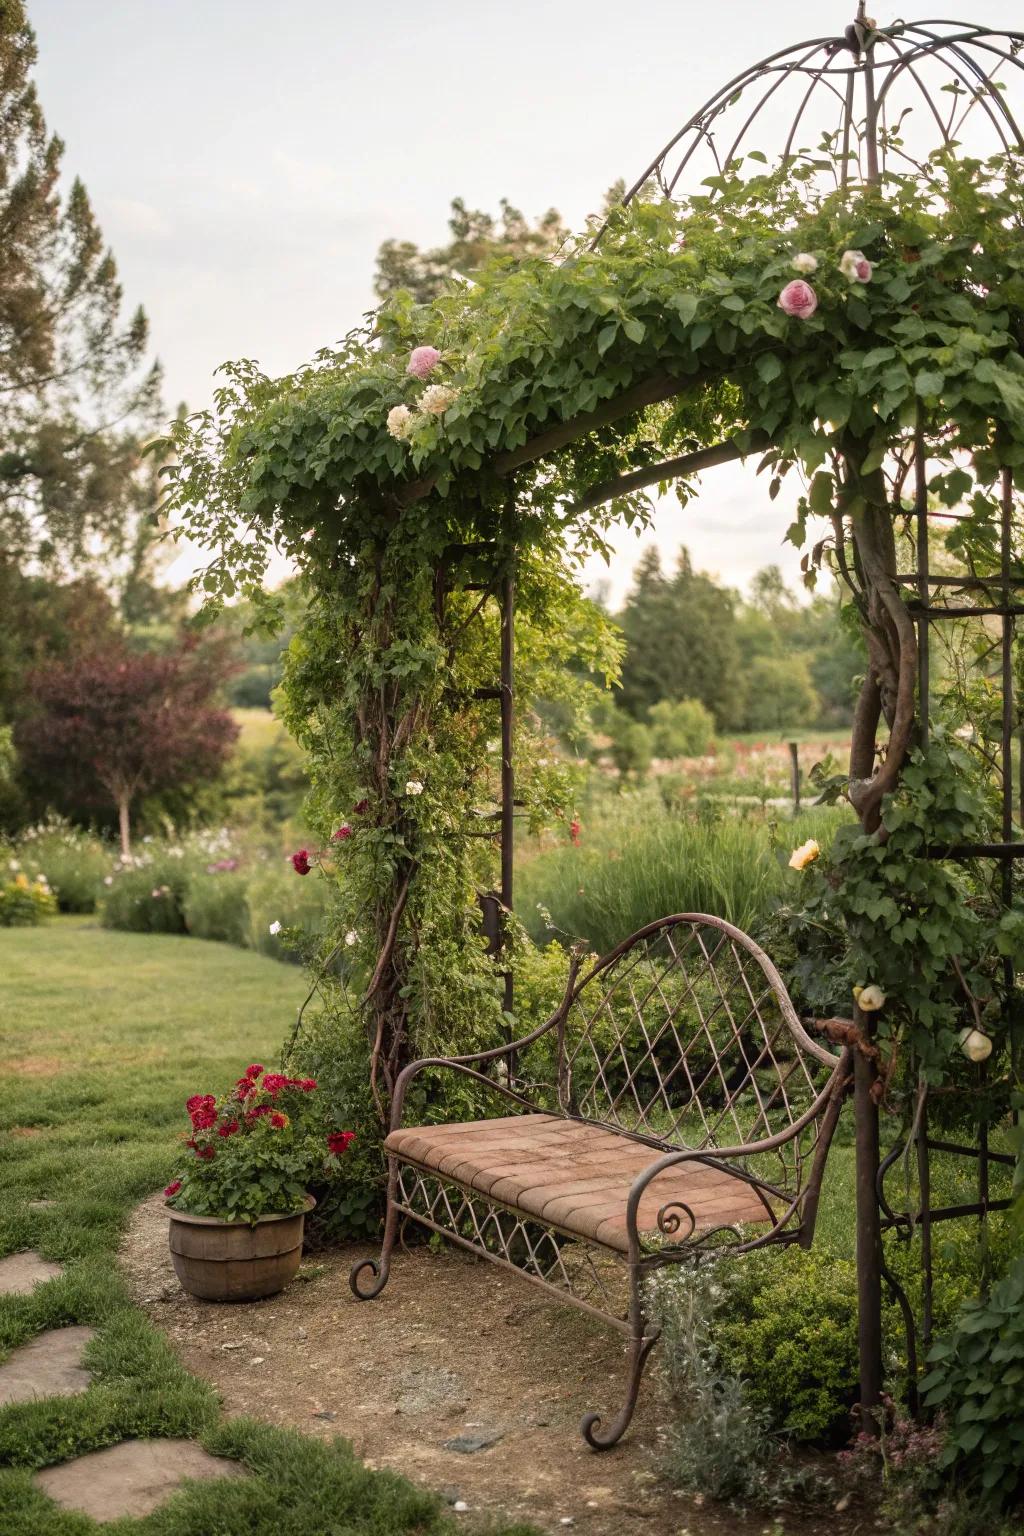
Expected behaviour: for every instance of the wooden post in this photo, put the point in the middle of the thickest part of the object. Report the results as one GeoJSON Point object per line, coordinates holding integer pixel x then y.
{"type": "Point", "coordinates": [869, 1230]}
{"type": "Point", "coordinates": [794, 776]}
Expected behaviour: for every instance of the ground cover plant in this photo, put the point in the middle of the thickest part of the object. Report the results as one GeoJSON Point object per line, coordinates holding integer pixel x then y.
{"type": "Point", "coordinates": [103, 1036]}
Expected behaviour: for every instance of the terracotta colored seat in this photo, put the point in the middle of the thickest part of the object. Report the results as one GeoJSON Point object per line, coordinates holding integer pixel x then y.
{"type": "Point", "coordinates": [572, 1175]}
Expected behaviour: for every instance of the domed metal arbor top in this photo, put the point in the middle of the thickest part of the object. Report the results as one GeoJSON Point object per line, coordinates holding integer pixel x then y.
{"type": "Point", "coordinates": [875, 97]}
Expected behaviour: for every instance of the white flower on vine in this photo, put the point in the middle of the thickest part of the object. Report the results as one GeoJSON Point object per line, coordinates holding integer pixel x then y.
{"type": "Point", "coordinates": [804, 262]}
{"type": "Point", "coordinates": [275, 928]}
{"type": "Point", "coordinates": [351, 938]}
{"type": "Point", "coordinates": [400, 421]}
{"type": "Point", "coordinates": [413, 787]}
{"type": "Point", "coordinates": [870, 998]}
{"type": "Point", "coordinates": [436, 399]}
{"type": "Point", "coordinates": [855, 267]}
{"type": "Point", "coordinates": [975, 1044]}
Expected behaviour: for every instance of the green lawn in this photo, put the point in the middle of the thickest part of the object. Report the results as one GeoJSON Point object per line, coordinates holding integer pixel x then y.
{"type": "Point", "coordinates": [102, 1037]}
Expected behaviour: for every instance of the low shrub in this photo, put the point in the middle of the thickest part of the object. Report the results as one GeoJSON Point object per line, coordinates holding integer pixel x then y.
{"type": "Point", "coordinates": [787, 1325]}
{"type": "Point", "coordinates": [720, 1444]}
{"type": "Point", "coordinates": [24, 903]}
{"type": "Point", "coordinates": [74, 862]}
{"type": "Point", "coordinates": [977, 1381]}
{"type": "Point", "coordinates": [147, 895]}
{"type": "Point", "coordinates": [216, 907]}
{"type": "Point", "coordinates": [681, 728]}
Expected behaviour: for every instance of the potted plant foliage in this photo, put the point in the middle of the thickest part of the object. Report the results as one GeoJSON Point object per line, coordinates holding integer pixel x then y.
{"type": "Point", "coordinates": [238, 1210]}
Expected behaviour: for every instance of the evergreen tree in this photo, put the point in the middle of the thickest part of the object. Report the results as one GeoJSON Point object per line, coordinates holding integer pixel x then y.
{"type": "Point", "coordinates": [74, 398]}
{"type": "Point", "coordinates": [476, 237]}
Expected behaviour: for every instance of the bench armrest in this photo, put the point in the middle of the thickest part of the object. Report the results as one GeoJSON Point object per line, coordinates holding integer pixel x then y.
{"type": "Point", "coordinates": [466, 1064]}
{"type": "Point", "coordinates": [717, 1155]}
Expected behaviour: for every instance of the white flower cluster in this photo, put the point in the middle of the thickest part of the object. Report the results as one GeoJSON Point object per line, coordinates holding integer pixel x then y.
{"type": "Point", "coordinates": [434, 401]}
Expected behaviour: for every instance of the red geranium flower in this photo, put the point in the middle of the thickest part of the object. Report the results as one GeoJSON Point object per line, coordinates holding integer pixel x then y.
{"type": "Point", "coordinates": [228, 1129]}
{"type": "Point", "coordinates": [252, 1115]}
{"type": "Point", "coordinates": [307, 1084]}
{"type": "Point", "coordinates": [205, 1152]}
{"type": "Point", "coordinates": [278, 1121]}
{"type": "Point", "coordinates": [200, 1101]}
{"type": "Point", "coordinates": [254, 1070]}
{"type": "Point", "coordinates": [343, 833]}
{"type": "Point", "coordinates": [275, 1081]}
{"type": "Point", "coordinates": [340, 1141]}
{"type": "Point", "coordinates": [204, 1117]}
{"type": "Point", "coordinates": [245, 1088]}
{"type": "Point", "coordinates": [300, 862]}
{"type": "Point", "coordinates": [172, 1188]}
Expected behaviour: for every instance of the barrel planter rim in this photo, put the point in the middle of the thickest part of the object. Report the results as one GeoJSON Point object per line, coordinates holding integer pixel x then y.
{"type": "Point", "coordinates": [221, 1221]}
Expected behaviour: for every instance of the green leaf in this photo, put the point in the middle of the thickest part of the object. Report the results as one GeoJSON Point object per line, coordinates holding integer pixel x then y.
{"type": "Point", "coordinates": [929, 383]}
{"type": "Point", "coordinates": [768, 366]}
{"type": "Point", "coordinates": [607, 337]}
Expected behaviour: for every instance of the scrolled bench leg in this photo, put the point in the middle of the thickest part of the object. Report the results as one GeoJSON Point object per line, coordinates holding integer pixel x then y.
{"type": "Point", "coordinates": [381, 1268]}
{"type": "Point", "coordinates": [598, 1440]}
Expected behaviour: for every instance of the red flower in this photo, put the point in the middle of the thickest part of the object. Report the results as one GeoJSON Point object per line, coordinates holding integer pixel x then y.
{"type": "Point", "coordinates": [252, 1115]}
{"type": "Point", "coordinates": [254, 1071]}
{"type": "Point", "coordinates": [278, 1121]}
{"type": "Point", "coordinates": [229, 1129]}
{"type": "Point", "coordinates": [300, 862]}
{"type": "Point", "coordinates": [361, 808]}
{"type": "Point", "coordinates": [307, 1084]}
{"type": "Point", "coordinates": [340, 1141]}
{"type": "Point", "coordinates": [200, 1101]}
{"type": "Point", "coordinates": [343, 833]}
{"type": "Point", "coordinates": [204, 1152]}
{"type": "Point", "coordinates": [574, 832]}
{"type": "Point", "coordinates": [172, 1188]}
{"type": "Point", "coordinates": [204, 1115]}
{"type": "Point", "coordinates": [245, 1088]}
{"type": "Point", "coordinates": [275, 1081]}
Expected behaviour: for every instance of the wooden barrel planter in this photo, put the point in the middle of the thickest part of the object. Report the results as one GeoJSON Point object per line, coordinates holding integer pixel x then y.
{"type": "Point", "coordinates": [233, 1261]}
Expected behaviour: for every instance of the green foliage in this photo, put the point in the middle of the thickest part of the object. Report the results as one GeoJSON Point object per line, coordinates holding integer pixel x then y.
{"type": "Point", "coordinates": [216, 906]}
{"type": "Point", "coordinates": [147, 895]}
{"type": "Point", "coordinates": [25, 903]}
{"type": "Point", "coordinates": [779, 693]}
{"type": "Point", "coordinates": [75, 863]}
{"type": "Point", "coordinates": [788, 1327]}
{"type": "Point", "coordinates": [477, 238]}
{"type": "Point", "coordinates": [976, 1377]}
{"type": "Point", "coordinates": [681, 728]}
{"type": "Point", "coordinates": [640, 863]}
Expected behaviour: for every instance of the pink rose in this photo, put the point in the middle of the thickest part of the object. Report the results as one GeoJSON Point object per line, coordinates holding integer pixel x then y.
{"type": "Point", "coordinates": [423, 361]}
{"type": "Point", "coordinates": [799, 299]}
{"type": "Point", "coordinates": [343, 833]}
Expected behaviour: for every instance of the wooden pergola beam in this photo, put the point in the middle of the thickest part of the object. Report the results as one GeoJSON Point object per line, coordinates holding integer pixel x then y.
{"type": "Point", "coordinates": [651, 474]}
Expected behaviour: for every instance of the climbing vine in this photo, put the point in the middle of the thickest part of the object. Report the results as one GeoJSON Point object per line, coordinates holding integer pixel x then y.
{"type": "Point", "coordinates": [511, 420]}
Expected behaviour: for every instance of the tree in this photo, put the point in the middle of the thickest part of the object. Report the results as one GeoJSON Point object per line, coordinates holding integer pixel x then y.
{"type": "Point", "coordinates": [681, 642]}
{"type": "Point", "coordinates": [116, 724]}
{"type": "Point", "coordinates": [476, 237]}
{"type": "Point", "coordinates": [74, 402]}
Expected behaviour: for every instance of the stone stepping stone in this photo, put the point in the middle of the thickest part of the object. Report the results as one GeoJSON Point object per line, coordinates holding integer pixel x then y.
{"type": "Point", "coordinates": [20, 1273]}
{"type": "Point", "coordinates": [130, 1479]}
{"type": "Point", "coordinates": [47, 1366]}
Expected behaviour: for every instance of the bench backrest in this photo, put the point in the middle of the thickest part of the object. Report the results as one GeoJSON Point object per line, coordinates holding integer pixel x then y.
{"type": "Point", "coordinates": [685, 1036]}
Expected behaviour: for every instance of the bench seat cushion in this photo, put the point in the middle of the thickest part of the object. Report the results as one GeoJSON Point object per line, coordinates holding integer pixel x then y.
{"type": "Point", "coordinates": [573, 1175]}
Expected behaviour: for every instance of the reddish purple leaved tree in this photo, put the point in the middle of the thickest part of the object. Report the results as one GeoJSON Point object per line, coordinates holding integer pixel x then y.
{"type": "Point", "coordinates": [116, 723]}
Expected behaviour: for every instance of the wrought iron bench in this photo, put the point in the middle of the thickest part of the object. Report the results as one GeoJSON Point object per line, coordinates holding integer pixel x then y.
{"type": "Point", "coordinates": [680, 1109]}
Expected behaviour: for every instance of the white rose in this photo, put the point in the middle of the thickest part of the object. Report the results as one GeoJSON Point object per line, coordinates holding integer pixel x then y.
{"type": "Point", "coordinates": [414, 787]}
{"type": "Point", "coordinates": [975, 1045]}
{"type": "Point", "coordinates": [399, 421]}
{"type": "Point", "coordinates": [275, 927]}
{"type": "Point", "coordinates": [351, 938]}
{"type": "Point", "coordinates": [803, 261]}
{"type": "Point", "coordinates": [804, 855]}
{"type": "Point", "coordinates": [436, 399]}
{"type": "Point", "coordinates": [870, 999]}
{"type": "Point", "coordinates": [855, 267]}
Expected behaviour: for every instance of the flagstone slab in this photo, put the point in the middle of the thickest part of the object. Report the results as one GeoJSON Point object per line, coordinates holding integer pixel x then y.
{"type": "Point", "coordinates": [130, 1479]}
{"type": "Point", "coordinates": [20, 1273]}
{"type": "Point", "coordinates": [47, 1366]}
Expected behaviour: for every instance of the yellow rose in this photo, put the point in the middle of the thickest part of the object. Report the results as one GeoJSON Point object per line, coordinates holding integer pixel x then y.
{"type": "Point", "coordinates": [870, 999]}
{"type": "Point", "coordinates": [804, 855]}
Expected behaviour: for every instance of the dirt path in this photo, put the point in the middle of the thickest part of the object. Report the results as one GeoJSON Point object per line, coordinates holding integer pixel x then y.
{"type": "Point", "coordinates": [453, 1350]}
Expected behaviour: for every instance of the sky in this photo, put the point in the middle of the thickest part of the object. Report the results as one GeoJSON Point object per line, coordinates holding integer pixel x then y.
{"type": "Point", "coordinates": [246, 158]}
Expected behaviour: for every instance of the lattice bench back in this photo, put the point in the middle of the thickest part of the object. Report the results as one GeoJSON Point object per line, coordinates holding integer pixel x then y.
{"type": "Point", "coordinates": [686, 1036]}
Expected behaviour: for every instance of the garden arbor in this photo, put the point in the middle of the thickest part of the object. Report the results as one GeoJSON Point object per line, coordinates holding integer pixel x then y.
{"type": "Point", "coordinates": [853, 313]}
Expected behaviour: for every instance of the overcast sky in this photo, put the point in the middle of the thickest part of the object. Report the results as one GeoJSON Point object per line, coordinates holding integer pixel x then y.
{"type": "Point", "coordinates": [246, 158]}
